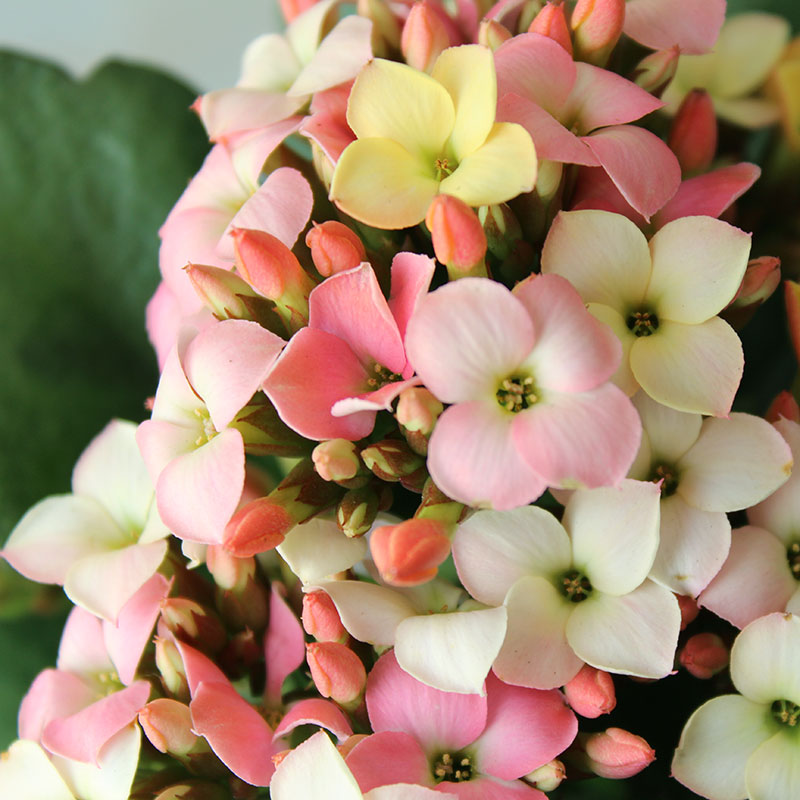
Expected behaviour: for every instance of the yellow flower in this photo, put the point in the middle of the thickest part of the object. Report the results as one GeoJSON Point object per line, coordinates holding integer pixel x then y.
{"type": "Point", "coordinates": [419, 135]}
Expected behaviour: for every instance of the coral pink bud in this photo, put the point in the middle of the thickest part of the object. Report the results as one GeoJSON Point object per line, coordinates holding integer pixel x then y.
{"type": "Point", "coordinates": [596, 27]}
{"type": "Point", "coordinates": [552, 22]}
{"type": "Point", "coordinates": [336, 460]}
{"type": "Point", "coordinates": [193, 624]}
{"type": "Point", "coordinates": [424, 36]}
{"type": "Point", "coordinates": [591, 693]}
{"type": "Point", "coordinates": [548, 777]}
{"type": "Point", "coordinates": [458, 238]}
{"type": "Point", "coordinates": [761, 278]}
{"type": "Point", "coordinates": [792, 299]}
{"type": "Point", "coordinates": [257, 527]}
{"type": "Point", "coordinates": [168, 725]}
{"type": "Point", "coordinates": [410, 553]}
{"type": "Point", "coordinates": [418, 410]}
{"type": "Point", "coordinates": [492, 34]}
{"type": "Point", "coordinates": [784, 405]}
{"type": "Point", "coordinates": [229, 572]}
{"type": "Point", "coordinates": [220, 290]}
{"type": "Point", "coordinates": [321, 619]}
{"type": "Point", "coordinates": [617, 753]}
{"type": "Point", "coordinates": [688, 607]}
{"type": "Point", "coordinates": [337, 672]}
{"type": "Point", "coordinates": [693, 135]}
{"type": "Point", "coordinates": [334, 248]}
{"type": "Point", "coordinates": [704, 655]}
{"type": "Point", "coordinates": [293, 8]}
{"type": "Point", "coordinates": [654, 72]}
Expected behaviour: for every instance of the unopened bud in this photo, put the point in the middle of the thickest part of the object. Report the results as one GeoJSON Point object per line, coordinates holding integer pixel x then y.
{"type": "Point", "coordinates": [194, 790]}
{"type": "Point", "coordinates": [617, 753]}
{"type": "Point", "coordinates": [321, 619]}
{"type": "Point", "coordinates": [458, 238]}
{"type": "Point", "coordinates": [168, 725]}
{"type": "Point", "coordinates": [492, 34]}
{"type": "Point", "coordinates": [293, 8]}
{"type": "Point", "coordinates": [418, 409]}
{"type": "Point", "coordinates": [501, 228]}
{"type": "Point", "coordinates": [385, 26]}
{"type": "Point", "coordinates": [704, 655]}
{"type": "Point", "coordinates": [356, 511]}
{"type": "Point", "coordinates": [220, 290]}
{"type": "Point", "coordinates": [655, 72]}
{"type": "Point", "coordinates": [228, 571]}
{"type": "Point", "coordinates": [266, 434]}
{"type": "Point", "coordinates": [424, 36]}
{"type": "Point", "coordinates": [552, 23]}
{"type": "Point", "coordinates": [170, 665]}
{"type": "Point", "coordinates": [596, 27]}
{"type": "Point", "coordinates": [693, 134]}
{"type": "Point", "coordinates": [783, 406]}
{"type": "Point", "coordinates": [337, 672]}
{"type": "Point", "coordinates": [334, 247]}
{"type": "Point", "coordinates": [761, 278]}
{"type": "Point", "coordinates": [242, 652]}
{"type": "Point", "coordinates": [591, 693]}
{"type": "Point", "coordinates": [241, 598]}
{"type": "Point", "coordinates": [337, 460]}
{"type": "Point", "coordinates": [394, 460]}
{"type": "Point", "coordinates": [436, 505]}
{"type": "Point", "coordinates": [688, 608]}
{"type": "Point", "coordinates": [193, 624]}
{"type": "Point", "coordinates": [409, 554]}
{"type": "Point", "coordinates": [548, 777]}
{"type": "Point", "coordinates": [272, 269]}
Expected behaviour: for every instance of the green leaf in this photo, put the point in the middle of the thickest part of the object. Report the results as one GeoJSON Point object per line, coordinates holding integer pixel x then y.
{"type": "Point", "coordinates": [790, 9]}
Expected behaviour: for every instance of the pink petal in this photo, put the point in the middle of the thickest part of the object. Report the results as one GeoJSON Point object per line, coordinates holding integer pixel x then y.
{"type": "Point", "coordinates": [160, 442]}
{"type": "Point", "coordinates": [754, 580]}
{"type": "Point", "coordinates": [351, 306]}
{"type": "Point", "coordinates": [710, 194]}
{"type": "Point", "coordinates": [372, 401]}
{"type": "Point", "coordinates": [588, 439]}
{"type": "Point", "coordinates": [249, 150]}
{"type": "Point", "coordinates": [284, 645]}
{"type": "Point", "coordinates": [642, 167]}
{"type": "Point", "coordinates": [411, 277]}
{"type": "Point", "coordinates": [525, 728]}
{"type": "Point", "coordinates": [199, 668]}
{"type": "Point", "coordinates": [227, 363]}
{"type": "Point", "coordinates": [82, 648]}
{"type": "Point", "coordinates": [198, 492]}
{"type": "Point", "coordinates": [81, 736]}
{"type": "Point", "coordinates": [330, 132]}
{"type": "Point", "coordinates": [486, 788]}
{"type": "Point", "coordinates": [315, 370]}
{"type": "Point", "coordinates": [53, 694]}
{"type": "Point", "coordinates": [573, 351]}
{"type": "Point", "coordinates": [693, 25]}
{"type": "Point", "coordinates": [535, 67]}
{"type": "Point", "coordinates": [175, 398]}
{"type": "Point", "coordinates": [388, 757]}
{"type": "Point", "coordinates": [236, 732]}
{"type": "Point", "coordinates": [315, 711]}
{"type": "Point", "coordinates": [443, 720]}
{"type": "Point", "coordinates": [595, 190]}
{"type": "Point", "coordinates": [127, 639]}
{"type": "Point", "coordinates": [227, 111]}
{"type": "Point", "coordinates": [473, 457]}
{"type": "Point", "coordinates": [600, 98]}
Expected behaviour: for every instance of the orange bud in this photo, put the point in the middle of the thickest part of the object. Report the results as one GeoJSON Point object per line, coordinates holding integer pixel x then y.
{"type": "Point", "coordinates": [552, 22]}
{"type": "Point", "coordinates": [784, 405]}
{"type": "Point", "coordinates": [168, 725]}
{"type": "Point", "coordinates": [596, 27]}
{"type": "Point", "coordinates": [259, 526]}
{"type": "Point", "coordinates": [337, 672]}
{"type": "Point", "coordinates": [409, 554]}
{"type": "Point", "coordinates": [293, 8]}
{"type": "Point", "coordinates": [654, 72]}
{"type": "Point", "coordinates": [704, 655]}
{"type": "Point", "coordinates": [334, 248]}
{"type": "Point", "coordinates": [424, 36]}
{"type": "Point", "coordinates": [321, 619]}
{"type": "Point", "coordinates": [591, 693]}
{"type": "Point", "coordinates": [458, 238]}
{"type": "Point", "coordinates": [693, 135]}
{"type": "Point", "coordinates": [616, 753]}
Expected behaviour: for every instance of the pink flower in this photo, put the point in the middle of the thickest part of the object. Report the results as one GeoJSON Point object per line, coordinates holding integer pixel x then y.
{"type": "Point", "coordinates": [526, 375]}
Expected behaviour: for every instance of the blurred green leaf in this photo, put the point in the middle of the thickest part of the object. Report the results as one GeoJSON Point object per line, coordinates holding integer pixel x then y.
{"type": "Point", "coordinates": [786, 8]}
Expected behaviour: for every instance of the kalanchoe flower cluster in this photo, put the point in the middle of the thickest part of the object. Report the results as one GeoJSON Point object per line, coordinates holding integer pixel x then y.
{"type": "Point", "coordinates": [444, 273]}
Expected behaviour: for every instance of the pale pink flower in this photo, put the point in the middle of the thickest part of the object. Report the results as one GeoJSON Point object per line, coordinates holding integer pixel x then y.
{"type": "Point", "coordinates": [692, 25]}
{"type": "Point", "coordinates": [526, 376]}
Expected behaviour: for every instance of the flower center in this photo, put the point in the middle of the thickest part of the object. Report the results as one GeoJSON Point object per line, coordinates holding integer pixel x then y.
{"type": "Point", "coordinates": [381, 376]}
{"type": "Point", "coordinates": [665, 473]}
{"type": "Point", "coordinates": [793, 555]}
{"type": "Point", "coordinates": [642, 323]}
{"type": "Point", "coordinates": [209, 431]}
{"type": "Point", "coordinates": [443, 168]}
{"type": "Point", "coordinates": [516, 393]}
{"type": "Point", "coordinates": [786, 712]}
{"type": "Point", "coordinates": [455, 767]}
{"type": "Point", "coordinates": [575, 586]}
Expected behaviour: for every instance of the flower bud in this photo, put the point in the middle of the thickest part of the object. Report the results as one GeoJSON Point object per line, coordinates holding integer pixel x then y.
{"type": "Point", "coordinates": [334, 248]}
{"type": "Point", "coordinates": [241, 598]}
{"type": "Point", "coordinates": [688, 608]}
{"type": "Point", "coordinates": [193, 624]}
{"type": "Point", "coordinates": [492, 34]}
{"type": "Point", "coordinates": [272, 269]}
{"type": "Point", "coordinates": [170, 665]}
{"type": "Point", "coordinates": [168, 725]}
{"type": "Point", "coordinates": [220, 290]}
{"type": "Point", "coordinates": [552, 22]}
{"type": "Point", "coordinates": [654, 72]}
{"type": "Point", "coordinates": [596, 27]}
{"type": "Point", "coordinates": [321, 619]}
{"type": "Point", "coordinates": [548, 777]}
{"type": "Point", "coordinates": [228, 571]}
{"type": "Point", "coordinates": [458, 238]}
{"type": "Point", "coordinates": [424, 36]}
{"type": "Point", "coordinates": [265, 433]}
{"type": "Point", "coordinates": [385, 26]}
{"type": "Point", "coordinates": [337, 672]}
{"type": "Point", "coordinates": [501, 228]}
{"type": "Point", "coordinates": [356, 511]}
{"type": "Point", "coordinates": [337, 460]}
{"type": "Point", "coordinates": [704, 655]}
{"type": "Point", "coordinates": [616, 753]}
{"type": "Point", "coordinates": [784, 405]}
{"type": "Point", "coordinates": [409, 554]}
{"type": "Point", "coordinates": [293, 8]}
{"type": "Point", "coordinates": [418, 409]}
{"type": "Point", "coordinates": [591, 693]}
{"type": "Point", "coordinates": [194, 790]}
{"type": "Point", "coordinates": [693, 135]}
{"type": "Point", "coordinates": [242, 652]}
{"type": "Point", "coordinates": [761, 278]}
{"type": "Point", "coordinates": [394, 460]}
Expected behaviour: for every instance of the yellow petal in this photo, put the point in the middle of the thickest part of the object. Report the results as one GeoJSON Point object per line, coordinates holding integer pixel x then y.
{"type": "Point", "coordinates": [381, 184]}
{"type": "Point", "coordinates": [394, 101]}
{"type": "Point", "coordinates": [503, 167]}
{"type": "Point", "coordinates": [467, 72]}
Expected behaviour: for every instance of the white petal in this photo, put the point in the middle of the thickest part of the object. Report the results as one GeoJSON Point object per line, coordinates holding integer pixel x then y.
{"type": "Point", "coordinates": [26, 773]}
{"type": "Point", "coordinates": [451, 652]}
{"type": "Point", "coordinates": [671, 433]}
{"type": "Point", "coordinates": [773, 771]}
{"type": "Point", "coordinates": [716, 743]}
{"type": "Point", "coordinates": [633, 635]}
{"type": "Point", "coordinates": [493, 549]}
{"type": "Point", "coordinates": [614, 532]}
